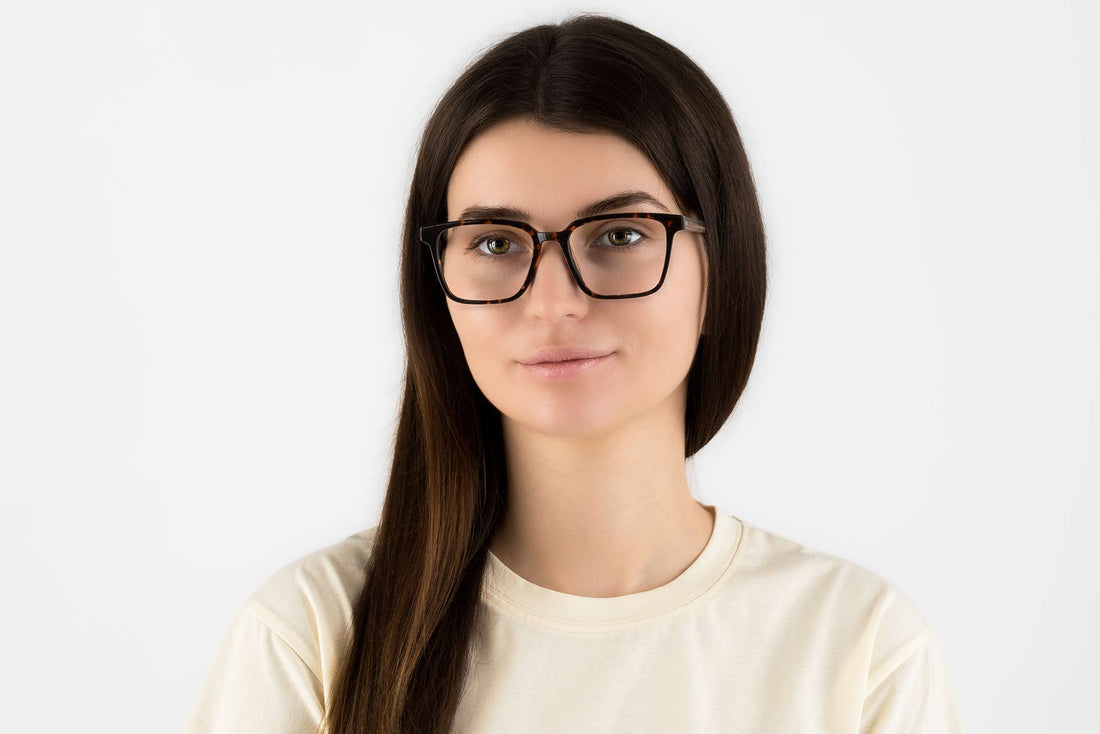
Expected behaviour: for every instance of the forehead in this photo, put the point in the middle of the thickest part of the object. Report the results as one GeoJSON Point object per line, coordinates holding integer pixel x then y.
{"type": "Point", "coordinates": [550, 173]}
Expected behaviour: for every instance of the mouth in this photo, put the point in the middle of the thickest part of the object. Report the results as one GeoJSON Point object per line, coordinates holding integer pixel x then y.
{"type": "Point", "coordinates": [566, 368]}
{"type": "Point", "coordinates": [562, 354]}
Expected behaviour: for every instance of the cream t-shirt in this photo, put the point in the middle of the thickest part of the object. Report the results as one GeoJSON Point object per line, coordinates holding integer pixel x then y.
{"type": "Point", "coordinates": [759, 634]}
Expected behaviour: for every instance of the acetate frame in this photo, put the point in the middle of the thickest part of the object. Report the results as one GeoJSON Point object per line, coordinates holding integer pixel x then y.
{"type": "Point", "coordinates": [429, 236]}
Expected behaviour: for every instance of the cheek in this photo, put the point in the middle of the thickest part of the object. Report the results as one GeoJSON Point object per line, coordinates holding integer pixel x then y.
{"type": "Point", "coordinates": [666, 341]}
{"type": "Point", "coordinates": [482, 335]}
{"type": "Point", "coordinates": [668, 332]}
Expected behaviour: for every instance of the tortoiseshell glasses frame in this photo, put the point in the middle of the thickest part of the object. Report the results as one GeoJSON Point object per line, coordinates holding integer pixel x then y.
{"type": "Point", "coordinates": [673, 223]}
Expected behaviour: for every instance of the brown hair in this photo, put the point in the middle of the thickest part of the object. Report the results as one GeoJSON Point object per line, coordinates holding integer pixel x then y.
{"type": "Point", "coordinates": [413, 624]}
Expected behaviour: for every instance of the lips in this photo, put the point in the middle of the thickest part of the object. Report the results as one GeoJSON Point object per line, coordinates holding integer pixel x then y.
{"type": "Point", "coordinates": [563, 354]}
{"type": "Point", "coordinates": [566, 368]}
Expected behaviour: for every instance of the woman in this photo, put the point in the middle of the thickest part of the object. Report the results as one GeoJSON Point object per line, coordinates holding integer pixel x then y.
{"type": "Point", "coordinates": [540, 564]}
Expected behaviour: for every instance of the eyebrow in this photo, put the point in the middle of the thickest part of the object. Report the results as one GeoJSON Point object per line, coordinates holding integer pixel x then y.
{"type": "Point", "coordinates": [615, 201]}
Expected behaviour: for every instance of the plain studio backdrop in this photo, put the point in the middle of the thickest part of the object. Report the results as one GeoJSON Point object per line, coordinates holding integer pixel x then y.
{"type": "Point", "coordinates": [201, 354]}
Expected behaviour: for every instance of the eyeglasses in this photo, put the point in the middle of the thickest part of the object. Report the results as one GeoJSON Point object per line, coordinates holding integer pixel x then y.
{"type": "Point", "coordinates": [609, 255]}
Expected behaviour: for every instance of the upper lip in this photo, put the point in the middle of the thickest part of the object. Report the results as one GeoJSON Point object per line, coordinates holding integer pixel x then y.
{"type": "Point", "coordinates": [561, 354]}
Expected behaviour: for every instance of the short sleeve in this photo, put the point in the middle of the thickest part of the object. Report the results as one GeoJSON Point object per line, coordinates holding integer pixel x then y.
{"type": "Point", "coordinates": [912, 692]}
{"type": "Point", "coordinates": [256, 684]}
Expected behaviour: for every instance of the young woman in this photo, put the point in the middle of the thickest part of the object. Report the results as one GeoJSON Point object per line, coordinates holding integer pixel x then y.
{"type": "Point", "coordinates": [582, 288]}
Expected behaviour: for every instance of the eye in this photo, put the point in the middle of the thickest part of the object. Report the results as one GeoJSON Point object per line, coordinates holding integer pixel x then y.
{"type": "Point", "coordinates": [491, 238]}
{"type": "Point", "coordinates": [618, 241]}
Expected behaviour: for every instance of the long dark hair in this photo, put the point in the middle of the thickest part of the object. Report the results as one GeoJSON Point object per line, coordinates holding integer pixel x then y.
{"type": "Point", "coordinates": [414, 623]}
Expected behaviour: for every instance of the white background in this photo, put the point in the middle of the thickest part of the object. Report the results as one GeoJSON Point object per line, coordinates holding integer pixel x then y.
{"type": "Point", "coordinates": [200, 352]}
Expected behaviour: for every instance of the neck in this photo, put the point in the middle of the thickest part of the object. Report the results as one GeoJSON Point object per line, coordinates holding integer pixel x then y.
{"type": "Point", "coordinates": [599, 518]}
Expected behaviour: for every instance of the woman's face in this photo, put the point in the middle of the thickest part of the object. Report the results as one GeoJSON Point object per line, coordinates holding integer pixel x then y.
{"type": "Point", "coordinates": [652, 339]}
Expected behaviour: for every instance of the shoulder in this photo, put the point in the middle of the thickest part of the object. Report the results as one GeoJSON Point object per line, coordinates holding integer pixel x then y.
{"type": "Point", "coordinates": [776, 559]}
{"type": "Point", "coordinates": [272, 670]}
{"type": "Point", "coordinates": [864, 629]}
{"type": "Point", "coordinates": [874, 616]}
{"type": "Point", "coordinates": [308, 602]}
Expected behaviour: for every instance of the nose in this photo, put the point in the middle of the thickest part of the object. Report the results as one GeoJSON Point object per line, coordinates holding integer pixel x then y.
{"type": "Point", "coordinates": [553, 279]}
{"type": "Point", "coordinates": [552, 252]}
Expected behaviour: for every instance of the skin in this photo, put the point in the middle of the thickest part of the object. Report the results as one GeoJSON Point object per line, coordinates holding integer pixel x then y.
{"type": "Point", "coordinates": [599, 503]}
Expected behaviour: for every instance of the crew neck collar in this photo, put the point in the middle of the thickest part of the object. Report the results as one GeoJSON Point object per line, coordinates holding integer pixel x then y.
{"type": "Point", "coordinates": [509, 592]}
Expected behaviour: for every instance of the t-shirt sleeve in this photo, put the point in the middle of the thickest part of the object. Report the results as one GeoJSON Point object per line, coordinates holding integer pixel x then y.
{"type": "Point", "coordinates": [911, 692]}
{"type": "Point", "coordinates": [257, 684]}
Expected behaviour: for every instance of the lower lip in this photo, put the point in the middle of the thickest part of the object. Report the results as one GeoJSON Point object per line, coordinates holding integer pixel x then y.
{"type": "Point", "coordinates": [569, 368]}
